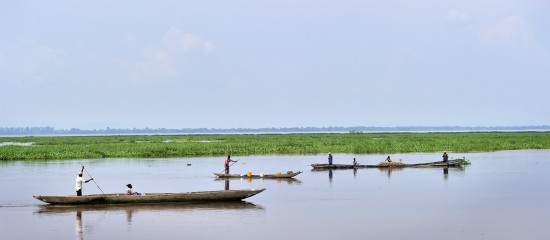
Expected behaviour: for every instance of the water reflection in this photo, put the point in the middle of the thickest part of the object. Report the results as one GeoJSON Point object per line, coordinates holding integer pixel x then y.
{"type": "Point", "coordinates": [454, 170]}
{"type": "Point", "coordinates": [129, 211]}
{"type": "Point", "coordinates": [78, 226]}
{"type": "Point", "coordinates": [331, 172]}
{"type": "Point", "coordinates": [389, 170]}
{"type": "Point", "coordinates": [250, 180]}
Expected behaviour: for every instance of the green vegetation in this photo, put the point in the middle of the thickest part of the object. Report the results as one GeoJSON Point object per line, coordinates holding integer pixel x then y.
{"type": "Point", "coordinates": [156, 146]}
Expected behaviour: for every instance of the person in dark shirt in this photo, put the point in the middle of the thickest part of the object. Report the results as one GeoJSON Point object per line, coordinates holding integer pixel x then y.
{"type": "Point", "coordinates": [445, 157]}
{"type": "Point", "coordinates": [226, 163]}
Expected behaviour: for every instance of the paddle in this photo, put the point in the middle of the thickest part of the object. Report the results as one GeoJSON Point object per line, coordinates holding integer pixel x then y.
{"type": "Point", "coordinates": [92, 179]}
{"type": "Point", "coordinates": [229, 166]}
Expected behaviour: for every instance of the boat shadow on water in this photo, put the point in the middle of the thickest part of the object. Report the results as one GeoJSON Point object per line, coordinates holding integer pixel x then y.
{"type": "Point", "coordinates": [389, 170]}
{"type": "Point", "coordinates": [237, 207]}
{"type": "Point", "coordinates": [62, 209]}
{"type": "Point", "coordinates": [250, 180]}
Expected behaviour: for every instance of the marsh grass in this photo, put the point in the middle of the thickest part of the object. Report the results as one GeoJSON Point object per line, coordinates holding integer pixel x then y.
{"type": "Point", "coordinates": [162, 146]}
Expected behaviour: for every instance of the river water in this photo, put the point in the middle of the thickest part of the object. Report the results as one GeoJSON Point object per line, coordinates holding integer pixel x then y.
{"type": "Point", "coordinates": [501, 195]}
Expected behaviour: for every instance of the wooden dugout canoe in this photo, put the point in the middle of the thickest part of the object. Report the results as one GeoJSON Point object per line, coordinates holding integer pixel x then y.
{"type": "Point", "coordinates": [152, 198]}
{"type": "Point", "coordinates": [450, 163]}
{"type": "Point", "coordinates": [282, 175]}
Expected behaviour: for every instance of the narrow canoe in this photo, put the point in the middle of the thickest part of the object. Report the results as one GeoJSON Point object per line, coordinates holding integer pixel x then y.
{"type": "Point", "coordinates": [450, 163]}
{"type": "Point", "coordinates": [152, 198]}
{"type": "Point", "coordinates": [281, 175]}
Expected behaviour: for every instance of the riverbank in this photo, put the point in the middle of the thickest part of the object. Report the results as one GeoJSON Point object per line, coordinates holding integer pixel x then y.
{"type": "Point", "coordinates": [161, 146]}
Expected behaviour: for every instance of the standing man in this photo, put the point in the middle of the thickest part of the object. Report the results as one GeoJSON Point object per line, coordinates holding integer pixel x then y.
{"type": "Point", "coordinates": [226, 164]}
{"type": "Point", "coordinates": [445, 157]}
{"type": "Point", "coordinates": [80, 181]}
{"type": "Point", "coordinates": [329, 159]}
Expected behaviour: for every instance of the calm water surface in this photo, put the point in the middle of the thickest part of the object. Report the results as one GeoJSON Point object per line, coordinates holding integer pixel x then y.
{"type": "Point", "coordinates": [502, 195]}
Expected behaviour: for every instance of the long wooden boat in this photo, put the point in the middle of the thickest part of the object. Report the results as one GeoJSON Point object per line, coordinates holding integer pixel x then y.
{"type": "Point", "coordinates": [450, 163]}
{"type": "Point", "coordinates": [288, 174]}
{"type": "Point", "coordinates": [152, 198]}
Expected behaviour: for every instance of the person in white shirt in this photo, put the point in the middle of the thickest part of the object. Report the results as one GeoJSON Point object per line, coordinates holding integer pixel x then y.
{"type": "Point", "coordinates": [129, 191]}
{"type": "Point", "coordinates": [80, 181]}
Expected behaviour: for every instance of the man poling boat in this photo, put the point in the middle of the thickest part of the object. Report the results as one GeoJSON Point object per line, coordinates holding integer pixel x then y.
{"type": "Point", "coordinates": [80, 181]}
{"type": "Point", "coordinates": [227, 164]}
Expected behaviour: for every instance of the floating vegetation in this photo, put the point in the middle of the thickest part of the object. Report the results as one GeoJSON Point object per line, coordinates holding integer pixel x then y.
{"type": "Point", "coordinates": [159, 146]}
{"type": "Point", "coordinates": [391, 164]}
{"type": "Point", "coordinates": [16, 144]}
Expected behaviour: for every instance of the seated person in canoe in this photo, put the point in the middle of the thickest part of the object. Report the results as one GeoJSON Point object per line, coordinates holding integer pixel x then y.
{"type": "Point", "coordinates": [129, 191]}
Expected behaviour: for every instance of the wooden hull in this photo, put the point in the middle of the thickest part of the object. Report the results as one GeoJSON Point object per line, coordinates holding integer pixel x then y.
{"type": "Point", "coordinates": [152, 198]}
{"type": "Point", "coordinates": [282, 175]}
{"type": "Point", "coordinates": [450, 163]}
{"type": "Point", "coordinates": [336, 166]}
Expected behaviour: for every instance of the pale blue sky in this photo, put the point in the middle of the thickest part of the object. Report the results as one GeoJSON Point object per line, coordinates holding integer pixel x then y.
{"type": "Point", "coordinates": [285, 63]}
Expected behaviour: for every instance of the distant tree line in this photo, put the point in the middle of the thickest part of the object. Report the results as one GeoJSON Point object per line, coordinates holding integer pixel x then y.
{"type": "Point", "coordinates": [29, 131]}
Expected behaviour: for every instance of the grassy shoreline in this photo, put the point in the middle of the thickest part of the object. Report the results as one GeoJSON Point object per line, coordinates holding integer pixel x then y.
{"type": "Point", "coordinates": [162, 146]}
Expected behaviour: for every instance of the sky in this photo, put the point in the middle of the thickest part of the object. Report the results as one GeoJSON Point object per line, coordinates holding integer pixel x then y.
{"type": "Point", "coordinates": [285, 63]}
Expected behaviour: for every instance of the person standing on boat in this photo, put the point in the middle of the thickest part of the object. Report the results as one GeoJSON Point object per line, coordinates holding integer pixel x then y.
{"type": "Point", "coordinates": [354, 162]}
{"type": "Point", "coordinates": [226, 163]}
{"type": "Point", "coordinates": [80, 181]}
{"type": "Point", "coordinates": [329, 159]}
{"type": "Point", "coordinates": [445, 157]}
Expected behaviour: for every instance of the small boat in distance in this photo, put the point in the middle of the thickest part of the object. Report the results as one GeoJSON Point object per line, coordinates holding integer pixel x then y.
{"type": "Point", "coordinates": [152, 198]}
{"type": "Point", "coordinates": [451, 163]}
{"type": "Point", "coordinates": [289, 174]}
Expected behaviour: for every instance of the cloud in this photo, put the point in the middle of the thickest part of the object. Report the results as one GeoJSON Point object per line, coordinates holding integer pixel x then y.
{"type": "Point", "coordinates": [458, 17]}
{"type": "Point", "coordinates": [130, 39]}
{"type": "Point", "coordinates": [38, 63]}
{"type": "Point", "coordinates": [48, 54]}
{"type": "Point", "coordinates": [512, 29]}
{"type": "Point", "coordinates": [165, 59]}
{"type": "Point", "coordinates": [154, 62]}
{"type": "Point", "coordinates": [176, 39]}
{"type": "Point", "coordinates": [208, 47]}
